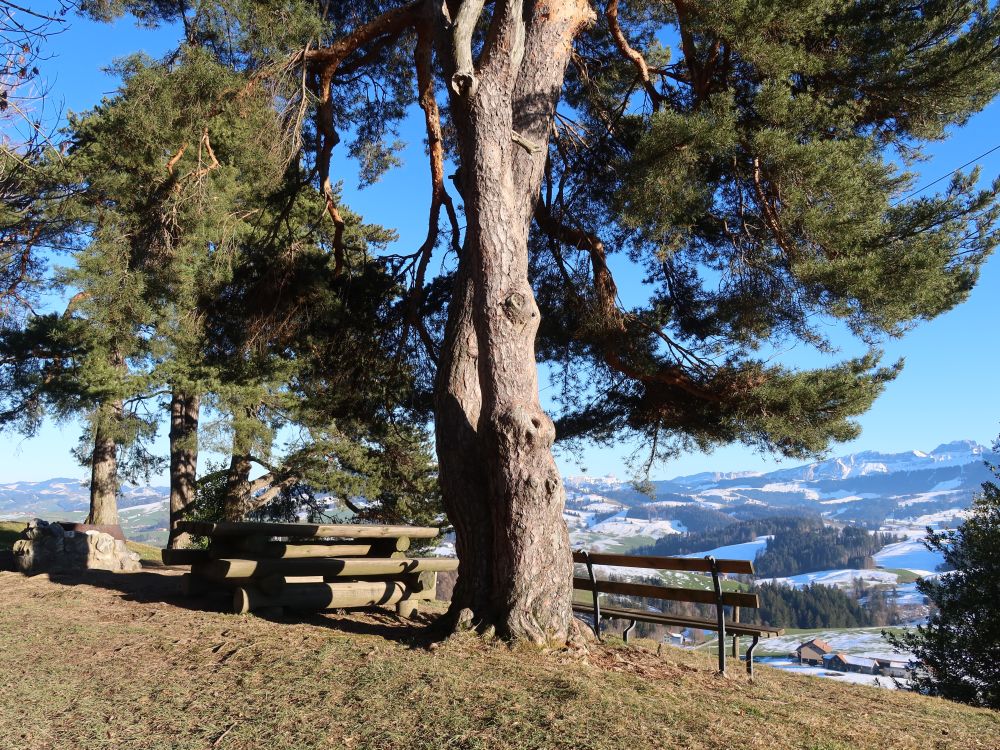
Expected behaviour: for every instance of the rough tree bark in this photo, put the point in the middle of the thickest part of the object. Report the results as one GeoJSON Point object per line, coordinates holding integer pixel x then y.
{"type": "Point", "coordinates": [500, 484]}
{"type": "Point", "coordinates": [457, 403]}
{"type": "Point", "coordinates": [503, 108]}
{"type": "Point", "coordinates": [184, 409]}
{"type": "Point", "coordinates": [104, 470]}
{"type": "Point", "coordinates": [237, 499]}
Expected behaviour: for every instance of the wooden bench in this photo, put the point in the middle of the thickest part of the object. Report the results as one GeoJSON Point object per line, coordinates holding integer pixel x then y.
{"type": "Point", "coordinates": [720, 599]}
{"type": "Point", "coordinates": [313, 567]}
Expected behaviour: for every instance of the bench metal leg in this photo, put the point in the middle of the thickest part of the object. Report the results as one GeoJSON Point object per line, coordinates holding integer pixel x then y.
{"type": "Point", "coordinates": [720, 612]}
{"type": "Point", "coordinates": [597, 596]}
{"type": "Point", "coordinates": [750, 648]}
{"type": "Point", "coordinates": [628, 630]}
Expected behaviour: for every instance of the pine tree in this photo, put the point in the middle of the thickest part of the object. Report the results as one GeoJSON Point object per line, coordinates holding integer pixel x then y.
{"type": "Point", "coordinates": [29, 221]}
{"type": "Point", "coordinates": [748, 180]}
{"type": "Point", "coordinates": [958, 650]}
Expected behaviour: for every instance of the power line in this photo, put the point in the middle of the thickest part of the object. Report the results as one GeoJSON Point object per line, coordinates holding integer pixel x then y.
{"type": "Point", "coordinates": [946, 176]}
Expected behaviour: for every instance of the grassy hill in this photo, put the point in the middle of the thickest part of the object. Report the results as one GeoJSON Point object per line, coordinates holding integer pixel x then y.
{"type": "Point", "coordinates": [120, 661]}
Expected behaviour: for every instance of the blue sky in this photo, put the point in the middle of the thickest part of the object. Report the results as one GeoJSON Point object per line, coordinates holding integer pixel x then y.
{"type": "Point", "coordinates": [947, 390]}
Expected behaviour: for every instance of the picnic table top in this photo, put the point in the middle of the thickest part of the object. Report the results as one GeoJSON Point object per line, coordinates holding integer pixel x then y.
{"type": "Point", "coordinates": [305, 530]}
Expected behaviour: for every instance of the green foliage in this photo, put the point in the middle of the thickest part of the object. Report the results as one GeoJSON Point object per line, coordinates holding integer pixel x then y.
{"type": "Point", "coordinates": [734, 533]}
{"type": "Point", "coordinates": [813, 606]}
{"type": "Point", "coordinates": [205, 267]}
{"type": "Point", "coordinates": [959, 648]}
{"type": "Point", "coordinates": [820, 548]}
{"type": "Point", "coordinates": [755, 183]}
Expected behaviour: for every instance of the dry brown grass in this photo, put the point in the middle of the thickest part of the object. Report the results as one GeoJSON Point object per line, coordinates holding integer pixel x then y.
{"type": "Point", "coordinates": [120, 661]}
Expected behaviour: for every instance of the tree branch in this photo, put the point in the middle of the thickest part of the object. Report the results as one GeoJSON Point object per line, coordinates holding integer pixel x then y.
{"type": "Point", "coordinates": [615, 328]}
{"type": "Point", "coordinates": [463, 80]}
{"type": "Point", "coordinates": [611, 14]}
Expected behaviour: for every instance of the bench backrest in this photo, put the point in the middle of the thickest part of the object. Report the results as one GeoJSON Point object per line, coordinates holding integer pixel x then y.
{"type": "Point", "coordinates": [668, 593]}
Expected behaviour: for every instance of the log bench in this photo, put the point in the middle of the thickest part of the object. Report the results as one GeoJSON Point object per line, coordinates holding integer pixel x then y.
{"type": "Point", "coordinates": [720, 599]}
{"type": "Point", "coordinates": [270, 566]}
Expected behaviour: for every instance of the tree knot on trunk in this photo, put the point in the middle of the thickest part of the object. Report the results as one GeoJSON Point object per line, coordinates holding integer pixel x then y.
{"type": "Point", "coordinates": [519, 308]}
{"type": "Point", "coordinates": [550, 483]}
{"type": "Point", "coordinates": [520, 427]}
{"type": "Point", "coordinates": [465, 84]}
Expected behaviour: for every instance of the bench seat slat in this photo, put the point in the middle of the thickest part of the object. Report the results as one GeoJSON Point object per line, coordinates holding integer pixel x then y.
{"type": "Point", "coordinates": [660, 618]}
{"type": "Point", "coordinates": [697, 596]}
{"type": "Point", "coordinates": [692, 564]}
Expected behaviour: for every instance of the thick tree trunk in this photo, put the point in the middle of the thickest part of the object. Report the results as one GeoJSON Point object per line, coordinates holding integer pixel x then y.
{"type": "Point", "coordinates": [237, 500]}
{"type": "Point", "coordinates": [520, 71]}
{"type": "Point", "coordinates": [460, 461]}
{"type": "Point", "coordinates": [184, 409]}
{"type": "Point", "coordinates": [104, 472]}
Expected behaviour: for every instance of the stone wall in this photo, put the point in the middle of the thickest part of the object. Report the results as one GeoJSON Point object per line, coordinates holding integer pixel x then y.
{"type": "Point", "coordinates": [49, 548]}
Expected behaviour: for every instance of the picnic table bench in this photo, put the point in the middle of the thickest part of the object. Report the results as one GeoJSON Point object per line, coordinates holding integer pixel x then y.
{"type": "Point", "coordinates": [720, 599]}
{"type": "Point", "coordinates": [269, 566]}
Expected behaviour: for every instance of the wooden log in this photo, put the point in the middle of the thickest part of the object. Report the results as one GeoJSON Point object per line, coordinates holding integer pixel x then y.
{"type": "Point", "coordinates": [305, 530]}
{"type": "Point", "coordinates": [191, 586]}
{"type": "Point", "coordinates": [318, 596]}
{"type": "Point", "coordinates": [346, 567]}
{"type": "Point", "coordinates": [262, 547]}
{"type": "Point", "coordinates": [183, 556]}
{"type": "Point", "coordinates": [275, 584]}
{"type": "Point", "coordinates": [200, 571]}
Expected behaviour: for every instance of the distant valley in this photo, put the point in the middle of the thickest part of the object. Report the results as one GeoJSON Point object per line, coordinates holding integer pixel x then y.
{"type": "Point", "coordinates": [875, 490]}
{"type": "Point", "coordinates": [903, 491]}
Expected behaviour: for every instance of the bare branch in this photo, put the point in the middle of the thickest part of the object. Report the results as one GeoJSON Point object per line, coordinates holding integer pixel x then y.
{"type": "Point", "coordinates": [176, 158]}
{"type": "Point", "coordinates": [611, 14]}
{"type": "Point", "coordinates": [464, 81]}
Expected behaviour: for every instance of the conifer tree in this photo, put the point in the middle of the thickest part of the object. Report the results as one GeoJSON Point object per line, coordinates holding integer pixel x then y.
{"type": "Point", "coordinates": [29, 223]}
{"type": "Point", "coordinates": [958, 650]}
{"type": "Point", "coordinates": [740, 155]}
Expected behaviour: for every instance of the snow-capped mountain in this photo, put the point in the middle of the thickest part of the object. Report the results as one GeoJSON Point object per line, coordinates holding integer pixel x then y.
{"type": "Point", "coordinates": [914, 488]}
{"type": "Point", "coordinates": [870, 488]}
{"type": "Point", "coordinates": [64, 494]}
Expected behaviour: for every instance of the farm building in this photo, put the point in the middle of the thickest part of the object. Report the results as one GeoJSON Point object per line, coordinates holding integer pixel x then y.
{"type": "Point", "coordinates": [812, 652]}
{"type": "Point", "coordinates": [846, 663]}
{"type": "Point", "coordinates": [892, 667]}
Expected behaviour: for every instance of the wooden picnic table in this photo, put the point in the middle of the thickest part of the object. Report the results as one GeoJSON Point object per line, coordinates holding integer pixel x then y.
{"type": "Point", "coordinates": [311, 566]}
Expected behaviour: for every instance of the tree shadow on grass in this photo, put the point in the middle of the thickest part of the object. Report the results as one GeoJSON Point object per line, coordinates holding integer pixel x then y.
{"type": "Point", "coordinates": [417, 632]}
{"type": "Point", "coordinates": [157, 584]}
{"type": "Point", "coordinates": [151, 585]}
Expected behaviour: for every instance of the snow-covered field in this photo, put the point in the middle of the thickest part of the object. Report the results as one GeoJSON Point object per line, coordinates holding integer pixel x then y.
{"type": "Point", "coordinates": [856, 641]}
{"type": "Point", "coordinates": [619, 525]}
{"type": "Point", "coordinates": [841, 577]}
{"type": "Point", "coordinates": [909, 555]}
{"type": "Point", "coordinates": [744, 551]}
{"type": "Point", "coordinates": [789, 665]}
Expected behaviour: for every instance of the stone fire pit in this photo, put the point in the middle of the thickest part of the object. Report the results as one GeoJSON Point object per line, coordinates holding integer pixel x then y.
{"type": "Point", "coordinates": [50, 547]}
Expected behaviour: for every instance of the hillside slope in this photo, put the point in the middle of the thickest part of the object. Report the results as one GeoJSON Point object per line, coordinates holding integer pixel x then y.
{"type": "Point", "coordinates": [118, 661]}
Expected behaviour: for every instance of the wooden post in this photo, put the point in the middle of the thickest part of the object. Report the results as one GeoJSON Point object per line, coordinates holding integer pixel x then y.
{"type": "Point", "coordinates": [406, 608]}
{"type": "Point", "coordinates": [736, 638]}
